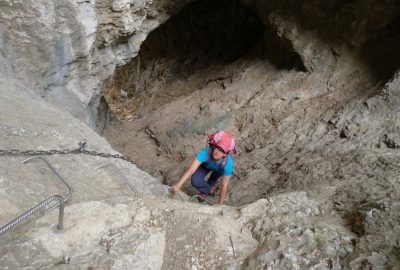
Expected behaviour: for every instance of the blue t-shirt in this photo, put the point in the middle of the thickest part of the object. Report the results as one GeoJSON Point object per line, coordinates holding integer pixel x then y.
{"type": "Point", "coordinates": [227, 169]}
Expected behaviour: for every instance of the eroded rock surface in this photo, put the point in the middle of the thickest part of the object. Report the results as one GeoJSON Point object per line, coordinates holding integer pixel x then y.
{"type": "Point", "coordinates": [67, 49]}
{"type": "Point", "coordinates": [313, 103]}
{"type": "Point", "coordinates": [105, 225]}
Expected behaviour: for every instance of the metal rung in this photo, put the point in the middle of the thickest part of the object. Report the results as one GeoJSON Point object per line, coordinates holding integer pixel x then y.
{"type": "Point", "coordinates": [70, 190]}
{"type": "Point", "coordinates": [33, 210]}
{"type": "Point", "coordinates": [120, 174]}
{"type": "Point", "coordinates": [36, 208]}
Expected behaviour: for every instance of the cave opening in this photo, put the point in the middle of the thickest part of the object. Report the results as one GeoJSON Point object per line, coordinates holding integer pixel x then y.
{"type": "Point", "coordinates": [203, 37]}
{"type": "Point", "coordinates": [206, 47]}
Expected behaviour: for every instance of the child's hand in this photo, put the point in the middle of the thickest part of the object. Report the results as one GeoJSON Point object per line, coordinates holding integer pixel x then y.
{"type": "Point", "coordinates": [176, 188]}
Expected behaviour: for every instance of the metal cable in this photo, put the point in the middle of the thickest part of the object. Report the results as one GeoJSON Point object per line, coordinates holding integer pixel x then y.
{"type": "Point", "coordinates": [121, 174]}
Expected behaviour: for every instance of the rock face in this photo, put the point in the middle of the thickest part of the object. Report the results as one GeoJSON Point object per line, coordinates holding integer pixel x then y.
{"type": "Point", "coordinates": [106, 226]}
{"type": "Point", "coordinates": [67, 49]}
{"type": "Point", "coordinates": [328, 119]}
{"type": "Point", "coordinates": [312, 98]}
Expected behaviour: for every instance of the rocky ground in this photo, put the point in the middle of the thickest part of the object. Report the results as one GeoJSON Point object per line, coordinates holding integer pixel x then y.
{"type": "Point", "coordinates": [311, 94]}
{"type": "Point", "coordinates": [108, 227]}
{"type": "Point", "coordinates": [324, 145]}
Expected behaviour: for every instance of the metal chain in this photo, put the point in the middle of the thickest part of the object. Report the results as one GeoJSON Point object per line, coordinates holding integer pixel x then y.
{"type": "Point", "coordinates": [80, 150]}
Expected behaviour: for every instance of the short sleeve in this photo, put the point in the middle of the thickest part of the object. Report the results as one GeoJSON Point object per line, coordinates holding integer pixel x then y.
{"type": "Point", "coordinates": [228, 168]}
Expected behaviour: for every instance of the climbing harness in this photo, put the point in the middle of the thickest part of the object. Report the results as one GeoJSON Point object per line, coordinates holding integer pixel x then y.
{"type": "Point", "coordinates": [36, 208]}
{"type": "Point", "coordinates": [79, 150]}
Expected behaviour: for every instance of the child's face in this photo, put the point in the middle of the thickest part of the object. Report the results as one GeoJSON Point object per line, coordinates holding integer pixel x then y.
{"type": "Point", "coordinates": [218, 153]}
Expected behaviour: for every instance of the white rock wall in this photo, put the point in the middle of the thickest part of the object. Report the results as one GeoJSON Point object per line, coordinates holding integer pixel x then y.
{"type": "Point", "coordinates": [66, 49]}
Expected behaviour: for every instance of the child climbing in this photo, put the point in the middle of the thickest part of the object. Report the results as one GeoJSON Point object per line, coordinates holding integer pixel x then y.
{"type": "Point", "coordinates": [215, 158]}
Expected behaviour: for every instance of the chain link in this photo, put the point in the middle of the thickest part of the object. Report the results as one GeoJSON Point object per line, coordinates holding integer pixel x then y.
{"type": "Point", "coordinates": [80, 150]}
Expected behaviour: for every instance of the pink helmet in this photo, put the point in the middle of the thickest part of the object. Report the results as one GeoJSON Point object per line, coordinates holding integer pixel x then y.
{"type": "Point", "coordinates": [223, 139]}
